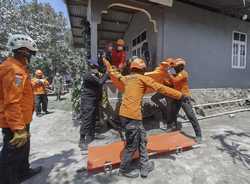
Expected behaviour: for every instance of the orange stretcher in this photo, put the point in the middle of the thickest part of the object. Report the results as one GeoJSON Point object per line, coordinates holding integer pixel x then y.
{"type": "Point", "coordinates": [107, 157]}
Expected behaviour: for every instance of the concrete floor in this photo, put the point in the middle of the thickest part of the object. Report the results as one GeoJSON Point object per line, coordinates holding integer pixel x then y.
{"type": "Point", "coordinates": [55, 147]}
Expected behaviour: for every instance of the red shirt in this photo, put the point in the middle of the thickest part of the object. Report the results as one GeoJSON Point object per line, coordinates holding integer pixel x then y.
{"type": "Point", "coordinates": [118, 58]}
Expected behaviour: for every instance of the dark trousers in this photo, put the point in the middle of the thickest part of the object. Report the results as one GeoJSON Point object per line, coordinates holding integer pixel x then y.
{"type": "Point", "coordinates": [136, 139]}
{"type": "Point", "coordinates": [188, 109]}
{"type": "Point", "coordinates": [41, 100]}
{"type": "Point", "coordinates": [14, 162]}
{"type": "Point", "coordinates": [173, 109]}
{"type": "Point", "coordinates": [89, 113]}
{"type": "Point", "coordinates": [166, 109]}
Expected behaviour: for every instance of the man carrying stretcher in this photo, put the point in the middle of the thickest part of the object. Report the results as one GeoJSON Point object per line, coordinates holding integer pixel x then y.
{"type": "Point", "coordinates": [134, 86]}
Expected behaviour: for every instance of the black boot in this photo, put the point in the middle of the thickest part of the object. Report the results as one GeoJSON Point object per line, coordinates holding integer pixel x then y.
{"type": "Point", "coordinates": [30, 173]}
{"type": "Point", "coordinates": [147, 169]}
{"type": "Point", "coordinates": [129, 173]}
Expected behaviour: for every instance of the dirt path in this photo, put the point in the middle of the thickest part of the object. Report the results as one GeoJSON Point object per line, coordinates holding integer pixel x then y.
{"type": "Point", "coordinates": [55, 147]}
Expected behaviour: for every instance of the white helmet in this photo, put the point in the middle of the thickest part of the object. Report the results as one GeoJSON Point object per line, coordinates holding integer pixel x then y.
{"type": "Point", "coordinates": [17, 41]}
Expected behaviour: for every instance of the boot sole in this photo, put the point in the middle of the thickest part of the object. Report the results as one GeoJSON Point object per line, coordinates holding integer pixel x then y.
{"type": "Point", "coordinates": [145, 176]}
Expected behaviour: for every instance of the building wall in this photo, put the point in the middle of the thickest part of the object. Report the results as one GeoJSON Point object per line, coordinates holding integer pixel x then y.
{"type": "Point", "coordinates": [204, 39]}
{"type": "Point", "coordinates": [139, 24]}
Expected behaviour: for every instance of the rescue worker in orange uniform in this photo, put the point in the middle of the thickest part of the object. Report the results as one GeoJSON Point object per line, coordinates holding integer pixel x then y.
{"type": "Point", "coordinates": [160, 75]}
{"type": "Point", "coordinates": [16, 109]}
{"type": "Point", "coordinates": [180, 83]}
{"type": "Point", "coordinates": [118, 57]}
{"type": "Point", "coordinates": [135, 86]}
{"type": "Point", "coordinates": [40, 85]}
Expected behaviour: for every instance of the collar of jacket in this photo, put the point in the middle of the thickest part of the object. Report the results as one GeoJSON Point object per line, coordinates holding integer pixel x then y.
{"type": "Point", "coordinates": [17, 62]}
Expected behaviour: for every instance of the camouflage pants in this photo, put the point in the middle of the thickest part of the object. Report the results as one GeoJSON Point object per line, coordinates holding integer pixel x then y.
{"type": "Point", "coordinates": [136, 139]}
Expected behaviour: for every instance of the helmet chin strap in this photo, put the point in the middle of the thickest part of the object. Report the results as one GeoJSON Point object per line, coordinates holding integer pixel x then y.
{"type": "Point", "coordinates": [24, 54]}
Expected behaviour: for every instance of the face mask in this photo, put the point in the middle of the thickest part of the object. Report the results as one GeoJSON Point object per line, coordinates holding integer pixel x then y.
{"type": "Point", "coordinates": [119, 48]}
{"type": "Point", "coordinates": [25, 54]}
{"type": "Point", "coordinates": [171, 71]}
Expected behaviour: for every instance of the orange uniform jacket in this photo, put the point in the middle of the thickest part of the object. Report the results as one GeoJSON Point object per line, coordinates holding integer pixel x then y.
{"type": "Point", "coordinates": [180, 83]}
{"type": "Point", "coordinates": [159, 75]}
{"type": "Point", "coordinates": [39, 86]}
{"type": "Point", "coordinates": [16, 95]}
{"type": "Point", "coordinates": [135, 86]}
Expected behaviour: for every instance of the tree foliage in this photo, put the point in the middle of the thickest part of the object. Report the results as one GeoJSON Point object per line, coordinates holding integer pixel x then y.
{"type": "Point", "coordinates": [50, 31]}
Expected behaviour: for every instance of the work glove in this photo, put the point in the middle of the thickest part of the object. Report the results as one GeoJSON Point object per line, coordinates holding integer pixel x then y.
{"type": "Point", "coordinates": [20, 138]}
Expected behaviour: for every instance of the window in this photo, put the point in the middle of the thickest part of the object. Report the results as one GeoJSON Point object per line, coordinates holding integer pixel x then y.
{"type": "Point", "coordinates": [239, 48]}
{"type": "Point", "coordinates": [134, 43]}
{"type": "Point", "coordinates": [137, 44]}
{"type": "Point", "coordinates": [134, 52]}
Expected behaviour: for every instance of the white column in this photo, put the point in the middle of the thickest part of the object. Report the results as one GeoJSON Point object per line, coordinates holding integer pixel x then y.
{"type": "Point", "coordinates": [94, 41]}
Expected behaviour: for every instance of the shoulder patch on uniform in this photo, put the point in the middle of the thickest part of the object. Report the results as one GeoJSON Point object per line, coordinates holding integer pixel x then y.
{"type": "Point", "coordinates": [19, 79]}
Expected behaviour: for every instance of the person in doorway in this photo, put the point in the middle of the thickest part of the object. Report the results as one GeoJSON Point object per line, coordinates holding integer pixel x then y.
{"type": "Point", "coordinates": [180, 83]}
{"type": "Point", "coordinates": [40, 85]}
{"type": "Point", "coordinates": [146, 54]}
{"type": "Point", "coordinates": [135, 86]}
{"type": "Point", "coordinates": [118, 58]}
{"type": "Point", "coordinates": [58, 85]}
{"type": "Point", "coordinates": [91, 96]}
{"type": "Point", "coordinates": [108, 51]}
{"type": "Point", "coordinates": [16, 109]}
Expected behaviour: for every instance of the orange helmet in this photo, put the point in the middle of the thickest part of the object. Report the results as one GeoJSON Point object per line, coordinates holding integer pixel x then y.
{"type": "Point", "coordinates": [138, 63]}
{"type": "Point", "coordinates": [120, 42]}
{"type": "Point", "coordinates": [39, 73]}
{"type": "Point", "coordinates": [180, 61]}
